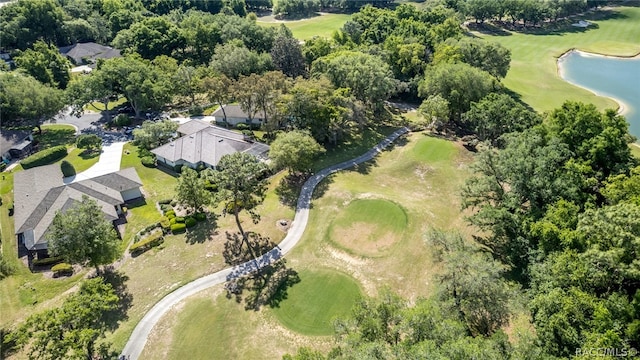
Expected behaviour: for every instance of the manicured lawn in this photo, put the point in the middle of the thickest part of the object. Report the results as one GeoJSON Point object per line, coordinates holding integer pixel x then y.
{"type": "Point", "coordinates": [54, 135]}
{"type": "Point", "coordinates": [322, 26]}
{"type": "Point", "coordinates": [422, 174]}
{"type": "Point", "coordinates": [80, 159]}
{"type": "Point", "coordinates": [313, 303]}
{"type": "Point", "coordinates": [533, 74]}
{"type": "Point", "coordinates": [99, 106]}
{"type": "Point", "coordinates": [368, 227]}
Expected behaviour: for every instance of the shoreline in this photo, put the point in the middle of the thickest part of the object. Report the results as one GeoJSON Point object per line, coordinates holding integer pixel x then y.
{"type": "Point", "coordinates": [623, 107]}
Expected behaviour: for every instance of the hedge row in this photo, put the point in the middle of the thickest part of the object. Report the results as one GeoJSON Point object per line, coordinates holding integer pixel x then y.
{"type": "Point", "coordinates": [45, 157]}
{"type": "Point", "coordinates": [178, 228]}
{"type": "Point", "coordinates": [146, 244]}
{"type": "Point", "coordinates": [47, 261]}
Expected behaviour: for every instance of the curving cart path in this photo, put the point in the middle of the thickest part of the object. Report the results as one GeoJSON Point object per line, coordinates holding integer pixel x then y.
{"type": "Point", "coordinates": [138, 339]}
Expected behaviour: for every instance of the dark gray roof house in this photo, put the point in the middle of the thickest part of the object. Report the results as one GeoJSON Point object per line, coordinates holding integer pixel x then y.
{"type": "Point", "coordinates": [205, 144]}
{"type": "Point", "coordinates": [39, 193]}
{"type": "Point", "coordinates": [14, 143]}
{"type": "Point", "coordinates": [87, 53]}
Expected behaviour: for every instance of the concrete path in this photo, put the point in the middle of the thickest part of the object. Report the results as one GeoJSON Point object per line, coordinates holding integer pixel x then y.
{"type": "Point", "coordinates": [138, 339]}
{"type": "Point", "coordinates": [108, 162]}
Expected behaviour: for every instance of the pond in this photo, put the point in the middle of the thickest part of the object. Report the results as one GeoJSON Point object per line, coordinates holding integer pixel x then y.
{"type": "Point", "coordinates": [614, 77]}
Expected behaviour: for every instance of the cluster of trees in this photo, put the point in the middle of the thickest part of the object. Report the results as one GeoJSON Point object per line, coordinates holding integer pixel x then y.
{"type": "Point", "coordinates": [530, 12]}
{"type": "Point", "coordinates": [240, 182]}
{"type": "Point", "coordinates": [556, 205]}
{"type": "Point", "coordinates": [75, 329]}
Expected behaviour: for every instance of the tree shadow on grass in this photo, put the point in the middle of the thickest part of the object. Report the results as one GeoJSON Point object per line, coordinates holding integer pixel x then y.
{"type": "Point", "coordinates": [202, 232]}
{"type": "Point", "coordinates": [118, 280]}
{"type": "Point", "coordinates": [54, 137]}
{"type": "Point", "coordinates": [89, 154]}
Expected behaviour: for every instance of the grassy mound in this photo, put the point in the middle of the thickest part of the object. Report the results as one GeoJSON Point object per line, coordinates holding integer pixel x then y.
{"type": "Point", "coordinates": [368, 227]}
{"type": "Point", "coordinates": [312, 304]}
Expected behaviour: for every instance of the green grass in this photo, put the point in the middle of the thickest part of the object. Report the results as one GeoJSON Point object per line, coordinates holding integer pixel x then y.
{"type": "Point", "coordinates": [352, 147]}
{"type": "Point", "coordinates": [316, 300]}
{"type": "Point", "coordinates": [322, 26]}
{"type": "Point", "coordinates": [80, 159]}
{"type": "Point", "coordinates": [99, 106]}
{"type": "Point", "coordinates": [54, 135]}
{"type": "Point", "coordinates": [432, 150]}
{"type": "Point", "coordinates": [379, 212]}
{"type": "Point", "coordinates": [533, 74]}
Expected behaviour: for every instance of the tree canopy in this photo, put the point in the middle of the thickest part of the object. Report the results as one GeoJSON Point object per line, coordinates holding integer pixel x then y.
{"type": "Point", "coordinates": [294, 150]}
{"type": "Point", "coordinates": [46, 64]}
{"type": "Point", "coordinates": [82, 235]}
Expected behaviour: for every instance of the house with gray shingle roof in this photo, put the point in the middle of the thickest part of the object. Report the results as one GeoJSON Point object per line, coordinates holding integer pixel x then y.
{"type": "Point", "coordinates": [87, 53]}
{"type": "Point", "coordinates": [15, 144]}
{"type": "Point", "coordinates": [205, 144]}
{"type": "Point", "coordinates": [39, 193]}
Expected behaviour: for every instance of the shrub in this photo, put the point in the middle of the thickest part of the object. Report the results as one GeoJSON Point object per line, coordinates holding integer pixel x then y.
{"type": "Point", "coordinates": [172, 220]}
{"type": "Point", "coordinates": [190, 222]}
{"type": "Point", "coordinates": [179, 219]}
{"type": "Point", "coordinates": [170, 213]}
{"type": "Point", "coordinates": [165, 208]}
{"type": "Point", "coordinates": [67, 168]}
{"type": "Point", "coordinates": [3, 165]}
{"type": "Point", "coordinates": [122, 120]}
{"type": "Point", "coordinates": [164, 201]}
{"type": "Point", "coordinates": [11, 209]}
{"type": "Point", "coordinates": [148, 161]}
{"type": "Point", "coordinates": [201, 216]}
{"type": "Point", "coordinates": [146, 244]}
{"type": "Point", "coordinates": [173, 202]}
{"type": "Point", "coordinates": [242, 126]}
{"type": "Point", "coordinates": [124, 210]}
{"type": "Point", "coordinates": [165, 224]}
{"type": "Point", "coordinates": [45, 157]}
{"type": "Point", "coordinates": [178, 228]}
{"type": "Point", "coordinates": [62, 269]}
{"type": "Point", "coordinates": [88, 141]}
{"type": "Point", "coordinates": [47, 261]}
{"type": "Point", "coordinates": [142, 152]}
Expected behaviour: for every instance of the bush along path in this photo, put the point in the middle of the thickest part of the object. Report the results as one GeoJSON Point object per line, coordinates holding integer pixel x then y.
{"type": "Point", "coordinates": [138, 339]}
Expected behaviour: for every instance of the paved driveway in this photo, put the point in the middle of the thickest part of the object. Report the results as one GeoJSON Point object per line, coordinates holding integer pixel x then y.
{"type": "Point", "coordinates": [108, 162]}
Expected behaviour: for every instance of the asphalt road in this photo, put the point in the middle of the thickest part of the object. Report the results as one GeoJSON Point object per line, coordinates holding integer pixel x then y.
{"type": "Point", "coordinates": [138, 338]}
{"type": "Point", "coordinates": [86, 121]}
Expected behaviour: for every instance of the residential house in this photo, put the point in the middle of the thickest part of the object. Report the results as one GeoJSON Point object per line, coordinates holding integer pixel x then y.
{"type": "Point", "coordinates": [235, 116]}
{"type": "Point", "coordinates": [15, 144]}
{"type": "Point", "coordinates": [203, 144]}
{"type": "Point", "coordinates": [39, 193]}
{"type": "Point", "coordinates": [88, 53]}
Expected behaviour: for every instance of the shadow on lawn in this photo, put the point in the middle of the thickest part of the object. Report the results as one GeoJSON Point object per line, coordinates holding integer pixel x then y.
{"type": "Point", "coordinates": [203, 232]}
{"type": "Point", "coordinates": [290, 186]}
{"type": "Point", "coordinates": [118, 280]}
{"type": "Point", "coordinates": [89, 154]}
{"type": "Point", "coordinates": [54, 137]}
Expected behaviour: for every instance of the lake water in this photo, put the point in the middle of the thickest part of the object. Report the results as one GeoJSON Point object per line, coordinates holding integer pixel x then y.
{"type": "Point", "coordinates": [618, 78]}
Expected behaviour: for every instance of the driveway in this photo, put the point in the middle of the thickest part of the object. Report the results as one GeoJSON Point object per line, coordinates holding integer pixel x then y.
{"type": "Point", "coordinates": [86, 121]}
{"type": "Point", "coordinates": [138, 339]}
{"type": "Point", "coordinates": [108, 162]}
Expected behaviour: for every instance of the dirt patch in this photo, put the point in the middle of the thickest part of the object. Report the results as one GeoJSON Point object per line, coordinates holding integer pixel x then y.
{"type": "Point", "coordinates": [364, 239]}
{"type": "Point", "coordinates": [283, 225]}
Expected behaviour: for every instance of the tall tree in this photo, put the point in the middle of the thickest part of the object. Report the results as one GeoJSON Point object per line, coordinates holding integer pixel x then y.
{"type": "Point", "coordinates": [286, 55]}
{"type": "Point", "coordinates": [294, 150]}
{"type": "Point", "coordinates": [96, 87]}
{"type": "Point", "coordinates": [151, 37]}
{"type": "Point", "coordinates": [154, 133]}
{"type": "Point", "coordinates": [219, 90]}
{"type": "Point", "coordinates": [498, 114]}
{"type": "Point", "coordinates": [241, 186]}
{"type": "Point", "coordinates": [459, 84]}
{"type": "Point", "coordinates": [601, 140]}
{"type": "Point", "coordinates": [368, 76]}
{"type": "Point", "coordinates": [190, 190]}
{"type": "Point", "coordinates": [46, 64]}
{"type": "Point", "coordinates": [82, 235]}
{"type": "Point", "coordinates": [235, 60]}
{"type": "Point", "coordinates": [24, 101]}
